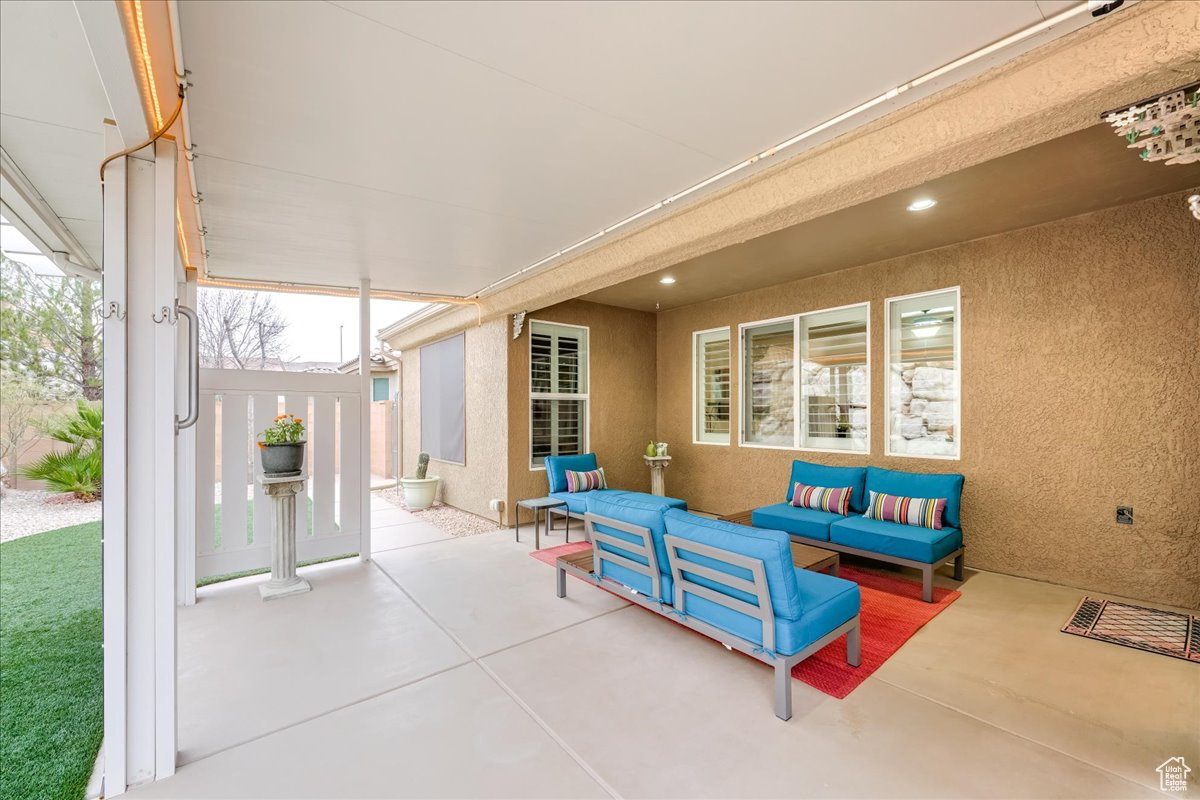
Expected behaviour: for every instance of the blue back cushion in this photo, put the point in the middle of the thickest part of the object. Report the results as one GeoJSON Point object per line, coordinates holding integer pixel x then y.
{"type": "Point", "coordinates": [915, 484]}
{"type": "Point", "coordinates": [811, 474]}
{"type": "Point", "coordinates": [557, 466]}
{"type": "Point", "coordinates": [638, 510]}
{"type": "Point", "coordinates": [773, 548]}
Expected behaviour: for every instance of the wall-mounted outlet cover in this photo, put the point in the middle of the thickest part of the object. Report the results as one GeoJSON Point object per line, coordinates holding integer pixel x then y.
{"type": "Point", "coordinates": [1124, 515]}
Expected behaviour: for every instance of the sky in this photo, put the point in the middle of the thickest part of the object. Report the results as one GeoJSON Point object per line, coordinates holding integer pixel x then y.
{"type": "Point", "coordinates": [326, 328]}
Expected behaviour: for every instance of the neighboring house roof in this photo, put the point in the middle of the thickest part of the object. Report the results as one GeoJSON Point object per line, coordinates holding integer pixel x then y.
{"type": "Point", "coordinates": [380, 362]}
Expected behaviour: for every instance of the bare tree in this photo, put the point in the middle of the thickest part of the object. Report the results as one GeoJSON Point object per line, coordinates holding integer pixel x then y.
{"type": "Point", "coordinates": [239, 330]}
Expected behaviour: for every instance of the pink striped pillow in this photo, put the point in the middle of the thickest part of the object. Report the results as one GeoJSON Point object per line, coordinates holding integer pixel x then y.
{"type": "Point", "coordinates": [836, 501]}
{"type": "Point", "coordinates": [585, 481]}
{"type": "Point", "coordinates": [923, 512]}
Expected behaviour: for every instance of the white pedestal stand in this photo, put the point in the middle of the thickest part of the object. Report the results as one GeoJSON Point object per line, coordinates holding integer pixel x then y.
{"type": "Point", "coordinates": [657, 464]}
{"type": "Point", "coordinates": [284, 580]}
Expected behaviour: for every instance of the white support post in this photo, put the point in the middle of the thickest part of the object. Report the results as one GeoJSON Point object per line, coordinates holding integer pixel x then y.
{"type": "Point", "coordinates": [364, 388]}
{"type": "Point", "coordinates": [140, 571]}
{"type": "Point", "coordinates": [115, 310]}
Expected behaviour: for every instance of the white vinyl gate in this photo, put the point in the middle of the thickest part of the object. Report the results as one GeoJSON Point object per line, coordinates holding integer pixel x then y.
{"type": "Point", "coordinates": [233, 517]}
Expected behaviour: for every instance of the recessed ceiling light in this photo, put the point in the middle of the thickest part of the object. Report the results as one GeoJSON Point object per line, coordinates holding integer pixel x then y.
{"type": "Point", "coordinates": [924, 204]}
{"type": "Point", "coordinates": [666, 279]}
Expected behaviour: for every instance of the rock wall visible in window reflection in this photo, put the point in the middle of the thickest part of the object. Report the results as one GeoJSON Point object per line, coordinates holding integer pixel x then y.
{"type": "Point", "coordinates": [923, 414]}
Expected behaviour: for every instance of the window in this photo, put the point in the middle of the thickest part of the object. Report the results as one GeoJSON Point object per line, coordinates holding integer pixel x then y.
{"type": "Point", "coordinates": [710, 386]}
{"type": "Point", "coordinates": [769, 383]}
{"type": "Point", "coordinates": [558, 391]}
{"type": "Point", "coordinates": [379, 389]}
{"type": "Point", "coordinates": [923, 379]}
{"type": "Point", "coordinates": [835, 387]}
{"type": "Point", "coordinates": [443, 399]}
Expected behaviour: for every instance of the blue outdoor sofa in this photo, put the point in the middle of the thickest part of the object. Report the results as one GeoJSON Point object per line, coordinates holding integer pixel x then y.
{"type": "Point", "coordinates": [922, 548]}
{"type": "Point", "coordinates": [733, 583]}
{"type": "Point", "coordinates": [556, 476]}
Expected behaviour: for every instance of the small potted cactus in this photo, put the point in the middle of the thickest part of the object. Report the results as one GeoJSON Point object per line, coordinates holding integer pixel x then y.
{"type": "Point", "coordinates": [420, 491]}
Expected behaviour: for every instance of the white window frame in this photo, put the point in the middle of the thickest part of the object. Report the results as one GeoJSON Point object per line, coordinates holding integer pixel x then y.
{"type": "Point", "coordinates": [586, 397]}
{"type": "Point", "coordinates": [742, 326]}
{"type": "Point", "coordinates": [801, 415]}
{"type": "Point", "coordinates": [887, 360]}
{"type": "Point", "coordinates": [797, 420]}
{"type": "Point", "coordinates": [696, 396]}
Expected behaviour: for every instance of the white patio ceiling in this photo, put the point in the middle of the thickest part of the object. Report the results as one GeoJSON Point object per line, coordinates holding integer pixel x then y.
{"type": "Point", "coordinates": [439, 147]}
{"type": "Point", "coordinates": [52, 110]}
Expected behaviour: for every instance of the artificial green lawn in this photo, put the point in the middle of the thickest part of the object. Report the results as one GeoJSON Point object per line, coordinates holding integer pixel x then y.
{"type": "Point", "coordinates": [50, 663]}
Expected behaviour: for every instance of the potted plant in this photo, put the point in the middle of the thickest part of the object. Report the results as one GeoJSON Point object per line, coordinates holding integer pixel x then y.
{"type": "Point", "coordinates": [420, 491]}
{"type": "Point", "coordinates": [282, 447]}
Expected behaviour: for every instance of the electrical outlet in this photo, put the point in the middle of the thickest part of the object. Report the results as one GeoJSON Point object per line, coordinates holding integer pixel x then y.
{"type": "Point", "coordinates": [1124, 515]}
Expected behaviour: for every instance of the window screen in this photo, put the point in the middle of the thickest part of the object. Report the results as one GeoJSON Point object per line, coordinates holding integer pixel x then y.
{"type": "Point", "coordinates": [443, 399]}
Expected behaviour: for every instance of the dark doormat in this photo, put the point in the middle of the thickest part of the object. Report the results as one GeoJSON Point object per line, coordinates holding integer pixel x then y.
{"type": "Point", "coordinates": [1151, 629]}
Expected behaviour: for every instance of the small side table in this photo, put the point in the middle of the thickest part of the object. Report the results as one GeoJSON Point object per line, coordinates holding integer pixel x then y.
{"type": "Point", "coordinates": [658, 483]}
{"type": "Point", "coordinates": [284, 580]}
{"type": "Point", "coordinates": [540, 506]}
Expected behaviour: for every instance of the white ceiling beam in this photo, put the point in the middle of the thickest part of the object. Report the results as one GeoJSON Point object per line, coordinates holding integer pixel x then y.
{"type": "Point", "coordinates": [101, 20]}
{"type": "Point", "coordinates": [26, 208]}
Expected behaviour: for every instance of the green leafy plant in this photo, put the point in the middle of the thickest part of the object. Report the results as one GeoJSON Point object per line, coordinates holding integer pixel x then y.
{"type": "Point", "coordinates": [78, 470]}
{"type": "Point", "coordinates": [288, 429]}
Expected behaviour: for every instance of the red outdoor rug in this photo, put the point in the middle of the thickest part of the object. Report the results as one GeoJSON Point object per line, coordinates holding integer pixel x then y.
{"type": "Point", "coordinates": [892, 611]}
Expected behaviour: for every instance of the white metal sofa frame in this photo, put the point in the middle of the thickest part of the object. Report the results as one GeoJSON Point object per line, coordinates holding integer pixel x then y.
{"type": "Point", "coordinates": [757, 586]}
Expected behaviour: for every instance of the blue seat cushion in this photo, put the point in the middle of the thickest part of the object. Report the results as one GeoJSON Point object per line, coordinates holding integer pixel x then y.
{"type": "Point", "coordinates": [893, 539]}
{"type": "Point", "coordinates": [807, 522]}
{"type": "Point", "coordinates": [771, 547]}
{"type": "Point", "coordinates": [828, 603]}
{"type": "Point", "coordinates": [577, 501]}
{"type": "Point", "coordinates": [645, 511]}
{"type": "Point", "coordinates": [811, 474]}
{"type": "Point", "coordinates": [915, 484]}
{"type": "Point", "coordinates": [557, 466]}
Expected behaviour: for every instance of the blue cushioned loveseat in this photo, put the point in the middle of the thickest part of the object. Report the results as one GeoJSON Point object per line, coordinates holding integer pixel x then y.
{"type": "Point", "coordinates": [556, 476]}
{"type": "Point", "coordinates": [733, 583]}
{"type": "Point", "coordinates": [908, 545]}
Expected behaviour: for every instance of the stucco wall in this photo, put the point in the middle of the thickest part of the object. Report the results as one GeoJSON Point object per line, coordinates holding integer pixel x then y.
{"type": "Point", "coordinates": [1080, 390]}
{"type": "Point", "coordinates": [621, 344]}
{"type": "Point", "coordinates": [485, 474]}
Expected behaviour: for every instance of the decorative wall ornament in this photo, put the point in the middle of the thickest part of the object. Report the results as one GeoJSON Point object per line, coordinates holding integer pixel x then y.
{"type": "Point", "coordinates": [518, 323]}
{"type": "Point", "coordinates": [1164, 128]}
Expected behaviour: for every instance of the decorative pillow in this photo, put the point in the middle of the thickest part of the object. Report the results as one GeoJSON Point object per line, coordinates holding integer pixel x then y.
{"type": "Point", "coordinates": [836, 501]}
{"type": "Point", "coordinates": [585, 481]}
{"type": "Point", "coordinates": [924, 512]}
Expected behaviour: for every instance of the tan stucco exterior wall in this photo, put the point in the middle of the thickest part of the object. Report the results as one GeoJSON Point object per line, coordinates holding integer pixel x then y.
{"type": "Point", "coordinates": [621, 345]}
{"type": "Point", "coordinates": [1080, 392]}
{"type": "Point", "coordinates": [485, 474]}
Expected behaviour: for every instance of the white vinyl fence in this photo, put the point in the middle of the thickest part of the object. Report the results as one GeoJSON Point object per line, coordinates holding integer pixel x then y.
{"type": "Point", "coordinates": [233, 517]}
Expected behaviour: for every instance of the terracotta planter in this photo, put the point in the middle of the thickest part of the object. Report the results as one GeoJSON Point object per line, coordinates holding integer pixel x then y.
{"type": "Point", "coordinates": [282, 460]}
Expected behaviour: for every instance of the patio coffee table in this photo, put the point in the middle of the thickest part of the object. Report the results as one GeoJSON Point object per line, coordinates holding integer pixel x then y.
{"type": "Point", "coordinates": [805, 556]}
{"type": "Point", "coordinates": [538, 505]}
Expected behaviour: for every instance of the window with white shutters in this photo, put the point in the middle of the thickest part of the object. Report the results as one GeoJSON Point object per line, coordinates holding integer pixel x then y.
{"type": "Point", "coordinates": [835, 389]}
{"type": "Point", "coordinates": [558, 391]}
{"type": "Point", "coordinates": [768, 383]}
{"type": "Point", "coordinates": [710, 386]}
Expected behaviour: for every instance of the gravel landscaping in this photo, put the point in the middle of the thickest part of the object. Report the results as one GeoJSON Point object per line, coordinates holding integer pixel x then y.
{"type": "Point", "coordinates": [28, 511]}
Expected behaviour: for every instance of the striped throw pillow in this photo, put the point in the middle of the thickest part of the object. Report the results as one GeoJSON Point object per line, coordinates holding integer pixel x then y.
{"type": "Point", "coordinates": [585, 481]}
{"type": "Point", "coordinates": [836, 501]}
{"type": "Point", "coordinates": [924, 512]}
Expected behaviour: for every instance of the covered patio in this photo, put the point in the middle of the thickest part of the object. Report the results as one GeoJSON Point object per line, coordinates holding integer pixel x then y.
{"type": "Point", "coordinates": [900, 241]}
{"type": "Point", "coordinates": [462, 675]}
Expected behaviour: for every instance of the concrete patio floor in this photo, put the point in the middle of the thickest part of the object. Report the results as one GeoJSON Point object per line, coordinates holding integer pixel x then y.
{"type": "Point", "coordinates": [448, 668]}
